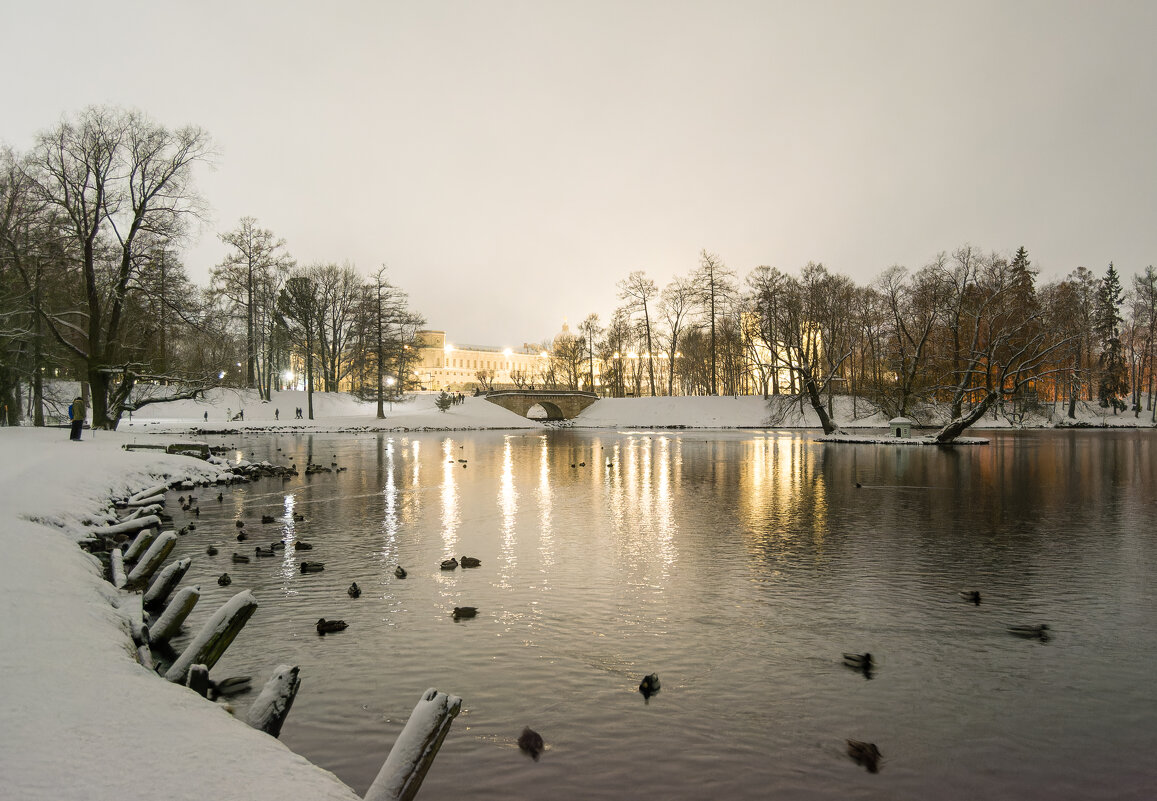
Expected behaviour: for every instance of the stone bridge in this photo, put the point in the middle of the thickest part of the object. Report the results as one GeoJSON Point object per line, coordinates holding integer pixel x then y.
{"type": "Point", "coordinates": [561, 404]}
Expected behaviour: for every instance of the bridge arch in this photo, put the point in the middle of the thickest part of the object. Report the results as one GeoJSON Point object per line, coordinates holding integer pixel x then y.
{"type": "Point", "coordinates": [558, 404]}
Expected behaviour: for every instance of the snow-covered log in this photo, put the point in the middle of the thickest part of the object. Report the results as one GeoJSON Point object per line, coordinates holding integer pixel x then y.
{"type": "Point", "coordinates": [116, 567]}
{"type": "Point", "coordinates": [410, 758]}
{"type": "Point", "coordinates": [215, 636]}
{"type": "Point", "coordinates": [154, 557]}
{"type": "Point", "coordinates": [145, 657]}
{"type": "Point", "coordinates": [198, 680]}
{"type": "Point", "coordinates": [268, 712]}
{"type": "Point", "coordinates": [165, 582]}
{"type": "Point", "coordinates": [150, 500]}
{"type": "Point", "coordinates": [128, 527]}
{"type": "Point", "coordinates": [169, 623]}
{"type": "Point", "coordinates": [141, 543]}
{"type": "Point", "coordinates": [158, 489]}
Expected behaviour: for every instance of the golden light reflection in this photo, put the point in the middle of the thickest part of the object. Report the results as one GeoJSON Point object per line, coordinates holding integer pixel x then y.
{"type": "Point", "coordinates": [415, 453]}
{"type": "Point", "coordinates": [508, 506]}
{"type": "Point", "coordinates": [390, 507]}
{"type": "Point", "coordinates": [288, 567]}
{"type": "Point", "coordinates": [450, 511]}
{"type": "Point", "coordinates": [781, 498]}
{"type": "Point", "coordinates": [545, 505]}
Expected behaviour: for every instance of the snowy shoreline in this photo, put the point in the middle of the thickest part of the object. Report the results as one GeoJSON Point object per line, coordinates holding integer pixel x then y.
{"type": "Point", "coordinates": [80, 716]}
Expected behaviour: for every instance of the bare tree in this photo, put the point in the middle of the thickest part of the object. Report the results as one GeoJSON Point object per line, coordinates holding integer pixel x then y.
{"type": "Point", "coordinates": [675, 305]}
{"type": "Point", "coordinates": [713, 285]}
{"type": "Point", "coordinates": [640, 292]}
{"type": "Point", "coordinates": [116, 179]}
{"type": "Point", "coordinates": [298, 312]}
{"type": "Point", "coordinates": [251, 276]}
{"type": "Point", "coordinates": [589, 328]}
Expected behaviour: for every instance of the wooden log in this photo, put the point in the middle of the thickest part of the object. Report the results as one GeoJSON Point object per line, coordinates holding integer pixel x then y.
{"type": "Point", "coordinates": [215, 636]}
{"type": "Point", "coordinates": [141, 543]}
{"type": "Point", "coordinates": [116, 566]}
{"type": "Point", "coordinates": [169, 623]}
{"type": "Point", "coordinates": [165, 582]}
{"type": "Point", "coordinates": [128, 527]}
{"type": "Point", "coordinates": [406, 766]}
{"type": "Point", "coordinates": [268, 712]}
{"type": "Point", "coordinates": [159, 489]}
{"type": "Point", "coordinates": [145, 657]}
{"type": "Point", "coordinates": [148, 500]}
{"type": "Point", "coordinates": [198, 680]}
{"type": "Point", "coordinates": [130, 606]}
{"type": "Point", "coordinates": [153, 558]}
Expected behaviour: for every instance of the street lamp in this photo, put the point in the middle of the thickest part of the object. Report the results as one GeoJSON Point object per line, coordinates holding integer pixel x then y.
{"type": "Point", "coordinates": [390, 381]}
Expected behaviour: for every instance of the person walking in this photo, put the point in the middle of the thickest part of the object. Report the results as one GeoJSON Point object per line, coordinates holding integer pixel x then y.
{"type": "Point", "coordinates": [276, 414]}
{"type": "Point", "coordinates": [76, 413]}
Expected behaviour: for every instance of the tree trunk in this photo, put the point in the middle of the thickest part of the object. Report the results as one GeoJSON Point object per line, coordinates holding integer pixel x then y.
{"type": "Point", "coordinates": [957, 426]}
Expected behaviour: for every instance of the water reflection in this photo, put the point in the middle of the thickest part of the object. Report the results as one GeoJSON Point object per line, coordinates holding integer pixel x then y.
{"type": "Point", "coordinates": [739, 566]}
{"type": "Point", "coordinates": [508, 509]}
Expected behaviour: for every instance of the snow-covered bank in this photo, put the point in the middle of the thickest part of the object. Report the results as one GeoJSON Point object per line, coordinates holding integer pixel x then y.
{"type": "Point", "coordinates": [79, 717]}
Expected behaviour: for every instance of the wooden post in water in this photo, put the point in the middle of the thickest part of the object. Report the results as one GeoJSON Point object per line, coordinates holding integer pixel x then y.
{"type": "Point", "coordinates": [268, 712]}
{"type": "Point", "coordinates": [169, 623]}
{"type": "Point", "coordinates": [414, 751]}
{"type": "Point", "coordinates": [154, 557]}
{"type": "Point", "coordinates": [116, 568]}
{"type": "Point", "coordinates": [198, 680]}
{"type": "Point", "coordinates": [159, 489]}
{"type": "Point", "coordinates": [165, 582]}
{"type": "Point", "coordinates": [144, 538]}
{"type": "Point", "coordinates": [215, 636]}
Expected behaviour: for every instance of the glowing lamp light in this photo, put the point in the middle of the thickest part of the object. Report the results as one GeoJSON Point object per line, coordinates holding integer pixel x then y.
{"type": "Point", "coordinates": [448, 348]}
{"type": "Point", "coordinates": [288, 376]}
{"type": "Point", "coordinates": [390, 381]}
{"type": "Point", "coordinates": [221, 374]}
{"type": "Point", "coordinates": [507, 352]}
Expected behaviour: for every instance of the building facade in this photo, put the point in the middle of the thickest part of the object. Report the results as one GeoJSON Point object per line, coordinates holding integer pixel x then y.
{"type": "Point", "coordinates": [442, 364]}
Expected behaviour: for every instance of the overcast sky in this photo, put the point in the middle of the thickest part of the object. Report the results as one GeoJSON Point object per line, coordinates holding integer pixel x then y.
{"type": "Point", "coordinates": [511, 161]}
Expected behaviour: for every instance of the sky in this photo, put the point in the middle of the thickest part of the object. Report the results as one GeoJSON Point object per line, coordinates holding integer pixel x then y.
{"type": "Point", "coordinates": [510, 162]}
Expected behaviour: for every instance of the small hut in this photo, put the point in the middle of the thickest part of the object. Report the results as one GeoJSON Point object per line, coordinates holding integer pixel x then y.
{"type": "Point", "coordinates": [901, 427]}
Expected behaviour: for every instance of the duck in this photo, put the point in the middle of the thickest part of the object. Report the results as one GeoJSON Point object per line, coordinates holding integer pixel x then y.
{"type": "Point", "coordinates": [264, 551]}
{"type": "Point", "coordinates": [649, 685]}
{"type": "Point", "coordinates": [239, 523]}
{"type": "Point", "coordinates": [224, 580]}
{"type": "Point", "coordinates": [531, 742]}
{"type": "Point", "coordinates": [449, 564]}
{"type": "Point", "coordinates": [192, 527]}
{"type": "Point", "coordinates": [867, 754]}
{"type": "Point", "coordinates": [464, 611]}
{"type": "Point", "coordinates": [277, 546]}
{"type": "Point", "coordinates": [302, 546]}
{"type": "Point", "coordinates": [312, 567]}
{"type": "Point", "coordinates": [240, 558]}
{"type": "Point", "coordinates": [971, 595]}
{"type": "Point", "coordinates": [242, 536]}
{"type": "Point", "coordinates": [212, 551]}
{"type": "Point", "coordinates": [470, 561]}
{"type": "Point", "coordinates": [354, 591]}
{"type": "Point", "coordinates": [1039, 631]}
{"type": "Point", "coordinates": [400, 572]}
{"type": "Point", "coordinates": [197, 511]}
{"type": "Point", "coordinates": [267, 518]}
{"type": "Point", "coordinates": [220, 497]}
{"type": "Point", "coordinates": [227, 688]}
{"type": "Point", "coordinates": [326, 626]}
{"type": "Point", "coordinates": [297, 518]}
{"type": "Point", "coordinates": [859, 661]}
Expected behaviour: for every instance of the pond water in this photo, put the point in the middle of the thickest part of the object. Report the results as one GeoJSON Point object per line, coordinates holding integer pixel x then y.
{"type": "Point", "coordinates": [736, 565]}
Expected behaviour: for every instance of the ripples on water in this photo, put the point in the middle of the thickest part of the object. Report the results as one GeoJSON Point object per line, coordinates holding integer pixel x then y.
{"type": "Point", "coordinates": [737, 565]}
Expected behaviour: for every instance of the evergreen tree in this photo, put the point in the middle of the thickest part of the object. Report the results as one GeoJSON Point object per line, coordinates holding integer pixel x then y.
{"type": "Point", "coordinates": [443, 401]}
{"type": "Point", "coordinates": [1113, 381]}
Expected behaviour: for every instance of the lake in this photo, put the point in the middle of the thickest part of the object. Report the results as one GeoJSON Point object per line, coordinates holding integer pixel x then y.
{"type": "Point", "coordinates": [738, 566]}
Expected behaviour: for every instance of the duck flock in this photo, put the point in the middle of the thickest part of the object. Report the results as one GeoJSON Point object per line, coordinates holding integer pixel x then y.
{"type": "Point", "coordinates": [531, 742]}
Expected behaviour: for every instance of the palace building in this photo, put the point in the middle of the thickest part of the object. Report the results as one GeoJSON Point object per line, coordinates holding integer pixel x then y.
{"type": "Point", "coordinates": [444, 365]}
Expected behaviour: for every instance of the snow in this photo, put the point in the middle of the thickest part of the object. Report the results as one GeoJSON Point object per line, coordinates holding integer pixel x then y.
{"type": "Point", "coordinates": [79, 717]}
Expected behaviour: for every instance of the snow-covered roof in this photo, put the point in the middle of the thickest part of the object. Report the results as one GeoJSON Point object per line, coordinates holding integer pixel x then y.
{"type": "Point", "coordinates": [899, 421]}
